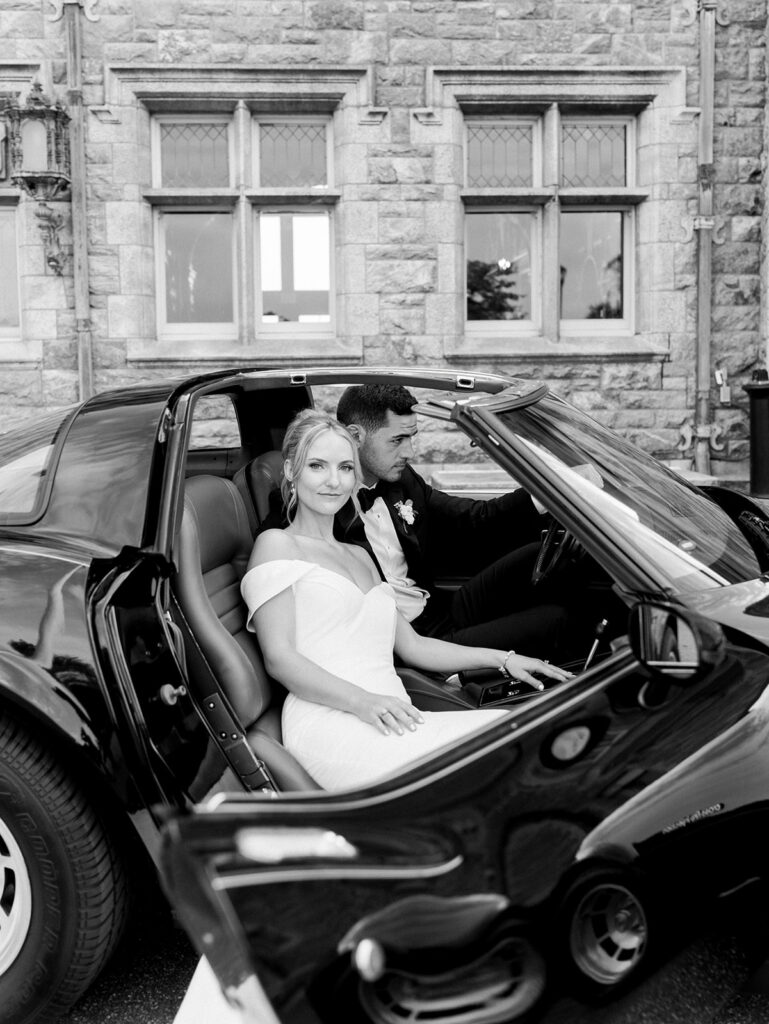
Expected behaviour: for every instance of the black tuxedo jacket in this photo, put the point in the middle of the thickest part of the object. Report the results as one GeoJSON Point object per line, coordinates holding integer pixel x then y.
{"type": "Point", "coordinates": [450, 534]}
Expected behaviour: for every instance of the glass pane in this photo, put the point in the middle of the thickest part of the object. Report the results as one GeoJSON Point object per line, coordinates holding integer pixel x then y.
{"type": "Point", "coordinates": [194, 155]}
{"type": "Point", "coordinates": [214, 423]}
{"type": "Point", "coordinates": [499, 265]}
{"type": "Point", "coordinates": [25, 458]}
{"type": "Point", "coordinates": [593, 154]}
{"type": "Point", "coordinates": [591, 265]}
{"type": "Point", "coordinates": [292, 155]}
{"type": "Point", "coordinates": [34, 146]}
{"type": "Point", "coordinates": [198, 267]}
{"type": "Point", "coordinates": [295, 267]}
{"type": "Point", "coordinates": [499, 155]}
{"type": "Point", "coordinates": [9, 271]}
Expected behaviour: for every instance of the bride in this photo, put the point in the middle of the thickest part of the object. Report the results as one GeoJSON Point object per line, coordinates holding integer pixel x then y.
{"type": "Point", "coordinates": [328, 626]}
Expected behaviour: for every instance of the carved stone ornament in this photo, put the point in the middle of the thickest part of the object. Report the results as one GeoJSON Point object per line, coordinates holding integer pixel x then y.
{"type": "Point", "coordinates": [51, 224]}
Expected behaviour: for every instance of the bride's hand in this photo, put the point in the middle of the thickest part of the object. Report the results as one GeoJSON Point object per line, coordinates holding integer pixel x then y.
{"type": "Point", "coordinates": [387, 714]}
{"type": "Point", "coordinates": [520, 667]}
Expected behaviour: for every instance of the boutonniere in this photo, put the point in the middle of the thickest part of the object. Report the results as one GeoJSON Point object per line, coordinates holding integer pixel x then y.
{"type": "Point", "coordinates": [406, 511]}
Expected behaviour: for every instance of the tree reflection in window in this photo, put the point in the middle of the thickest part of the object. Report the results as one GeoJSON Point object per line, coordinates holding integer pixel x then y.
{"type": "Point", "coordinates": [498, 252]}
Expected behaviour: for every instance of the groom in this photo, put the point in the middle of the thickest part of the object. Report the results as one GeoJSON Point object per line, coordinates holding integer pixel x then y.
{"type": "Point", "coordinates": [410, 527]}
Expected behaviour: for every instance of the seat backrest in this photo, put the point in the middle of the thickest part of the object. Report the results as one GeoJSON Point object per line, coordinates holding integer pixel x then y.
{"type": "Point", "coordinates": [214, 547]}
{"type": "Point", "coordinates": [259, 482]}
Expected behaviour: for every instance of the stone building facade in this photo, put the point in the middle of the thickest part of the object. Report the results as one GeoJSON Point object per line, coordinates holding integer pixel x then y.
{"type": "Point", "coordinates": [565, 189]}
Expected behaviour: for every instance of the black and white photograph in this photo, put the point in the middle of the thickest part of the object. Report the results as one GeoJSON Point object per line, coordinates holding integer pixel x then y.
{"type": "Point", "coordinates": [384, 512]}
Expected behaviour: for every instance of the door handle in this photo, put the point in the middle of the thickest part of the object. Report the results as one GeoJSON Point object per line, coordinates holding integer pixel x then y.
{"type": "Point", "coordinates": [275, 845]}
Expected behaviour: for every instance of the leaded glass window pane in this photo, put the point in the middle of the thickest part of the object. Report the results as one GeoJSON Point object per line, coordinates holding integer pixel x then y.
{"type": "Point", "coordinates": [292, 155]}
{"type": "Point", "coordinates": [194, 154]}
{"type": "Point", "coordinates": [499, 156]}
{"type": "Point", "coordinates": [591, 265]}
{"type": "Point", "coordinates": [295, 267]}
{"type": "Point", "coordinates": [499, 258]}
{"type": "Point", "coordinates": [593, 155]}
{"type": "Point", "coordinates": [9, 271]}
{"type": "Point", "coordinates": [198, 267]}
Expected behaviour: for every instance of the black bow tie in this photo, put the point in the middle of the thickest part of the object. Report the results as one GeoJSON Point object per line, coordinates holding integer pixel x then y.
{"type": "Point", "coordinates": [366, 497]}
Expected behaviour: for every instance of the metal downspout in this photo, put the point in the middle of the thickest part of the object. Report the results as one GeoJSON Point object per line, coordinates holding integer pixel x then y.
{"type": "Point", "coordinates": [705, 223]}
{"type": "Point", "coordinates": [81, 284]}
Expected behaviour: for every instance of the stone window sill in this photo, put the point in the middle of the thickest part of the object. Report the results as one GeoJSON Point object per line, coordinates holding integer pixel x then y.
{"type": "Point", "coordinates": [518, 346]}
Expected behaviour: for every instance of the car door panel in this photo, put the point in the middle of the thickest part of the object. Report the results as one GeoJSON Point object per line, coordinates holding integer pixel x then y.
{"type": "Point", "coordinates": [510, 821]}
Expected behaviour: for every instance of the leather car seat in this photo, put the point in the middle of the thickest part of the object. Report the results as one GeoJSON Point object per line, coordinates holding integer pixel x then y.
{"type": "Point", "coordinates": [224, 660]}
{"type": "Point", "coordinates": [259, 485]}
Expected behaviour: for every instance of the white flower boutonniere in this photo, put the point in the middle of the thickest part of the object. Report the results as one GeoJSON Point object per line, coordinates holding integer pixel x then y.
{"type": "Point", "coordinates": [406, 511]}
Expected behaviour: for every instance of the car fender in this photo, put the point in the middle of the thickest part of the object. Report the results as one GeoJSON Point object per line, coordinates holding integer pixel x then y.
{"type": "Point", "coordinates": [28, 687]}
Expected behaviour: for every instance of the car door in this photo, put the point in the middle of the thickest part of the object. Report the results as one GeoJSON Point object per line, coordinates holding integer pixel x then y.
{"type": "Point", "coordinates": [442, 886]}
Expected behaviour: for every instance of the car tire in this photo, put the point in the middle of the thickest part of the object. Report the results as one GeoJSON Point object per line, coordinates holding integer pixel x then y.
{"type": "Point", "coordinates": [63, 890]}
{"type": "Point", "coordinates": [606, 932]}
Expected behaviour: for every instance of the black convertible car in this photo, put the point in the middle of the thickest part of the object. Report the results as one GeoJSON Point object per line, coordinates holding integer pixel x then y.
{"type": "Point", "coordinates": [139, 730]}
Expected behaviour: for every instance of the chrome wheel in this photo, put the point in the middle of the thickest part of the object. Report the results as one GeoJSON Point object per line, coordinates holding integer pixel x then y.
{"type": "Point", "coordinates": [15, 899]}
{"type": "Point", "coordinates": [608, 934]}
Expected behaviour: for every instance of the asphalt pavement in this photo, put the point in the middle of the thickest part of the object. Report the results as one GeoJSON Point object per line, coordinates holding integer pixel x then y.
{"type": "Point", "coordinates": [720, 976]}
{"type": "Point", "coordinates": [145, 981]}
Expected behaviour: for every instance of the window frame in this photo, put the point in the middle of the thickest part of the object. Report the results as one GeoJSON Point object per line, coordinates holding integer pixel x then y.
{"type": "Point", "coordinates": [293, 200]}
{"type": "Point", "coordinates": [189, 118]}
{"type": "Point", "coordinates": [259, 119]}
{"type": "Point", "coordinates": [586, 326]}
{"type": "Point", "coordinates": [532, 120]}
{"type": "Point", "coordinates": [200, 328]}
{"type": "Point", "coordinates": [547, 198]}
{"type": "Point", "coordinates": [292, 327]}
{"type": "Point", "coordinates": [13, 332]}
{"type": "Point", "coordinates": [533, 324]}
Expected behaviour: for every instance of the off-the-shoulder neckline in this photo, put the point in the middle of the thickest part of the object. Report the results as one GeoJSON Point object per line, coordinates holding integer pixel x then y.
{"type": "Point", "coordinates": [314, 565]}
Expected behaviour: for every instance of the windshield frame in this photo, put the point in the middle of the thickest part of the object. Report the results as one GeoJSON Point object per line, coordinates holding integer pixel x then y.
{"type": "Point", "coordinates": [630, 562]}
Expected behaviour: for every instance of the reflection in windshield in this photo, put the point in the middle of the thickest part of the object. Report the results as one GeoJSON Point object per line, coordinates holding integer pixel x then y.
{"type": "Point", "coordinates": [25, 455]}
{"type": "Point", "coordinates": [694, 541]}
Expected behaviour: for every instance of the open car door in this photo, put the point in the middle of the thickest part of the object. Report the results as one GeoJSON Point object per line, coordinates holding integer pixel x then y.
{"type": "Point", "coordinates": [539, 853]}
{"type": "Point", "coordinates": [362, 904]}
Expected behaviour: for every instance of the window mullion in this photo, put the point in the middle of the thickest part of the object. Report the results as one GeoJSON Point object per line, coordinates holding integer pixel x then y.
{"type": "Point", "coordinates": [551, 269]}
{"type": "Point", "coordinates": [244, 247]}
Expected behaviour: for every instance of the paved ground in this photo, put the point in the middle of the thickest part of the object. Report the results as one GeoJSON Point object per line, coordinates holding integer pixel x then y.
{"type": "Point", "coordinates": [146, 980]}
{"type": "Point", "coordinates": [721, 977]}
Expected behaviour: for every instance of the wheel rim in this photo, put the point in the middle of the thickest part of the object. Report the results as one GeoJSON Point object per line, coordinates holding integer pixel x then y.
{"type": "Point", "coordinates": [15, 899]}
{"type": "Point", "coordinates": [609, 932]}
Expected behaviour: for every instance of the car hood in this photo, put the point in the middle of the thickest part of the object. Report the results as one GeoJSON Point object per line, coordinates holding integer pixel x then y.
{"type": "Point", "coordinates": [741, 606]}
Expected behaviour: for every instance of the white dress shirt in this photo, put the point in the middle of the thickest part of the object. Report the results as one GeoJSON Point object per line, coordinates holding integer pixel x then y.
{"type": "Point", "coordinates": [381, 535]}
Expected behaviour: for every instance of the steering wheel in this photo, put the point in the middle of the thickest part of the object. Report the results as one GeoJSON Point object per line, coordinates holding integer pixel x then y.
{"type": "Point", "coordinates": [558, 549]}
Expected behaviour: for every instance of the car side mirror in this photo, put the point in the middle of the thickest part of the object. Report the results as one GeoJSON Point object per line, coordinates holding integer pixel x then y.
{"type": "Point", "coordinates": [673, 643]}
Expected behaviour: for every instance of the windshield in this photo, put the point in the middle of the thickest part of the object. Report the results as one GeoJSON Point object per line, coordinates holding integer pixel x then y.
{"type": "Point", "coordinates": [692, 540]}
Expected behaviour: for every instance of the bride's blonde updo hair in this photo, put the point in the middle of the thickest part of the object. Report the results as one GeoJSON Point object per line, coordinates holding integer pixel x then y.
{"type": "Point", "coordinates": [300, 434]}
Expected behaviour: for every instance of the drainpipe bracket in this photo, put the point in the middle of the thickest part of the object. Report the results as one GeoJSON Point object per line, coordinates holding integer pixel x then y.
{"type": "Point", "coordinates": [59, 5]}
{"type": "Point", "coordinates": [701, 223]}
{"type": "Point", "coordinates": [714, 432]}
{"type": "Point", "coordinates": [695, 7]}
{"type": "Point", "coordinates": [686, 440]}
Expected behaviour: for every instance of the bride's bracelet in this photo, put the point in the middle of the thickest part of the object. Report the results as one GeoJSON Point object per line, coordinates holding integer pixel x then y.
{"type": "Point", "coordinates": [503, 666]}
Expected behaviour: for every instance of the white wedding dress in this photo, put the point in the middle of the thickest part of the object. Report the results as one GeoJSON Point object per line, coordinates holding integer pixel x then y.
{"type": "Point", "coordinates": [350, 634]}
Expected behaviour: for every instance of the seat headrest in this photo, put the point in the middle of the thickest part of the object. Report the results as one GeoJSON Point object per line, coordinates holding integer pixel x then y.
{"type": "Point", "coordinates": [220, 519]}
{"type": "Point", "coordinates": [264, 475]}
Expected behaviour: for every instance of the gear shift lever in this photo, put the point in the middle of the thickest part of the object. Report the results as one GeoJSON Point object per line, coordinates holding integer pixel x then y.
{"type": "Point", "coordinates": [599, 629]}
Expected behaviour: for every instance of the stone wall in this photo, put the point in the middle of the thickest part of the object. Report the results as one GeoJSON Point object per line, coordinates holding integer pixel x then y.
{"type": "Point", "coordinates": [398, 224]}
